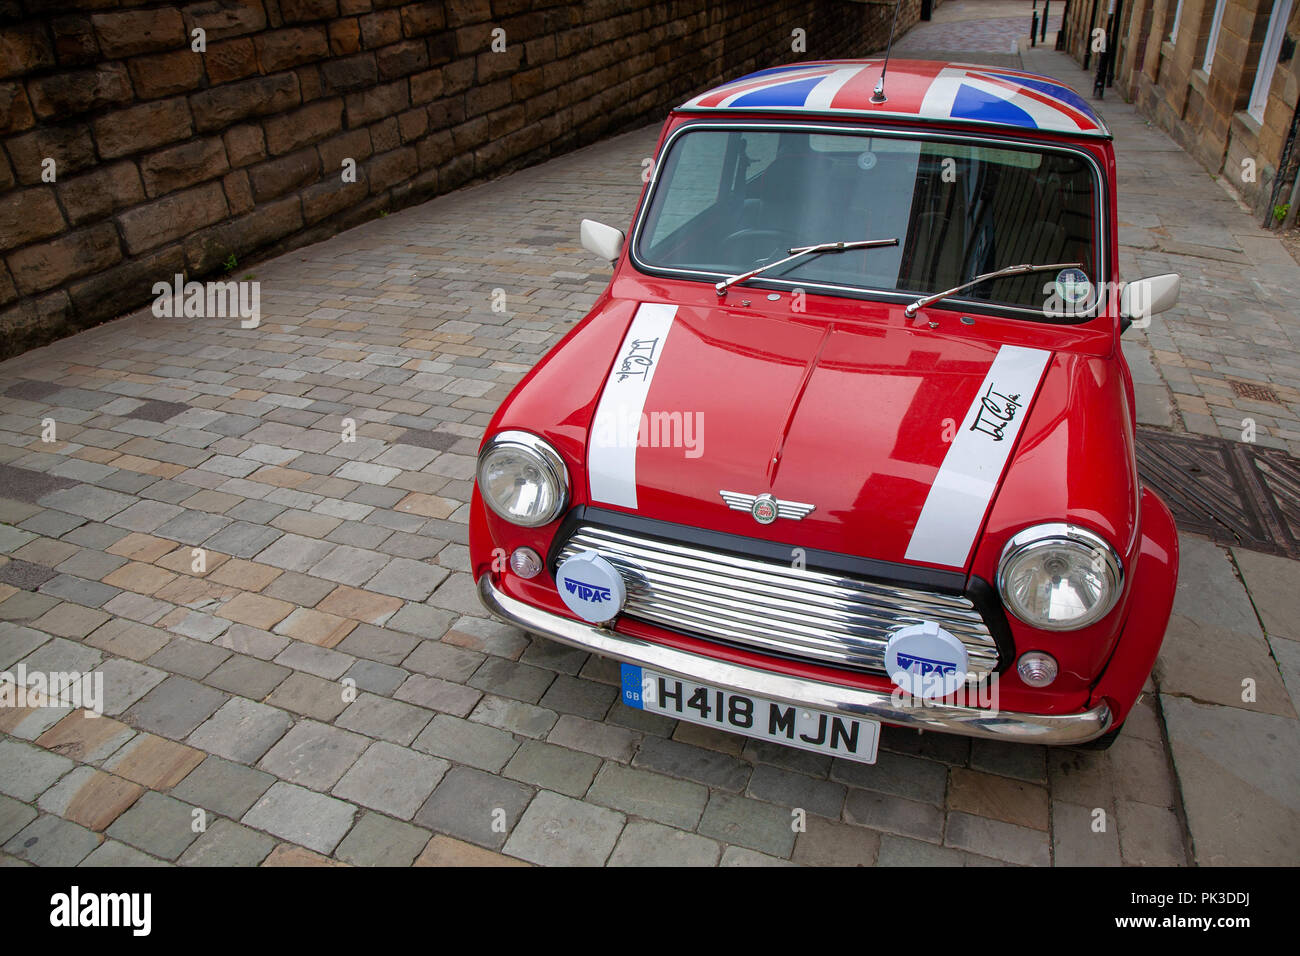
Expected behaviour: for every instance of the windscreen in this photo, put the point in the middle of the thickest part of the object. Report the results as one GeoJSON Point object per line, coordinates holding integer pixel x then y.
{"type": "Point", "coordinates": [728, 201]}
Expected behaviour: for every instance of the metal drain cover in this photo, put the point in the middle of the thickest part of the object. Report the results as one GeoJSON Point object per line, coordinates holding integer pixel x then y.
{"type": "Point", "coordinates": [1232, 492]}
{"type": "Point", "coordinates": [1279, 474]}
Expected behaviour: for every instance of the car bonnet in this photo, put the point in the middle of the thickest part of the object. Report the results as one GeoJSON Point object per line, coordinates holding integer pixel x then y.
{"type": "Point", "coordinates": [897, 438]}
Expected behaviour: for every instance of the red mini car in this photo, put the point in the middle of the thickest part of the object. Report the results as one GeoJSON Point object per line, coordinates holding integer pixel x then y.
{"type": "Point", "coordinates": [849, 438]}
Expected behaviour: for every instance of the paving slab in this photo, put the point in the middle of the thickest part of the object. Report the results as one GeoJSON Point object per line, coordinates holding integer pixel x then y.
{"type": "Point", "coordinates": [174, 708]}
{"type": "Point", "coordinates": [302, 816]}
{"type": "Point", "coordinates": [226, 843]}
{"type": "Point", "coordinates": [90, 797]}
{"type": "Point", "coordinates": [515, 716]}
{"type": "Point", "coordinates": [154, 762]}
{"type": "Point", "coordinates": [466, 742]}
{"type": "Point", "coordinates": [475, 806]}
{"type": "Point", "coordinates": [552, 768]}
{"type": "Point", "coordinates": [225, 788]}
{"type": "Point", "coordinates": [639, 793]}
{"type": "Point", "coordinates": [378, 840]}
{"type": "Point", "coordinates": [905, 851]}
{"type": "Point", "coordinates": [742, 856]}
{"type": "Point", "coordinates": [159, 825]}
{"type": "Point", "coordinates": [1087, 836]}
{"type": "Point", "coordinates": [749, 823]}
{"type": "Point", "coordinates": [915, 778]}
{"type": "Point", "coordinates": [1209, 590]}
{"type": "Point", "coordinates": [16, 642]}
{"type": "Point", "coordinates": [894, 815]}
{"type": "Point", "coordinates": [52, 841]}
{"type": "Point", "coordinates": [310, 696]}
{"type": "Point", "coordinates": [85, 738]}
{"type": "Point", "coordinates": [126, 683]}
{"type": "Point", "coordinates": [29, 770]}
{"type": "Point", "coordinates": [1287, 655]}
{"type": "Point", "coordinates": [559, 831]}
{"type": "Point", "coordinates": [111, 853]}
{"type": "Point", "coordinates": [1274, 586]}
{"type": "Point", "coordinates": [14, 815]}
{"type": "Point", "coordinates": [603, 740]}
{"type": "Point", "coordinates": [644, 843]}
{"type": "Point", "coordinates": [446, 851]}
{"type": "Point", "coordinates": [797, 791]}
{"type": "Point", "coordinates": [241, 730]}
{"type": "Point", "coordinates": [313, 754]}
{"type": "Point", "coordinates": [692, 763]}
{"type": "Point", "coordinates": [1239, 775]}
{"type": "Point", "coordinates": [997, 839]}
{"type": "Point", "coordinates": [1150, 836]}
{"type": "Point", "coordinates": [827, 843]}
{"type": "Point", "coordinates": [394, 780]}
{"type": "Point", "coordinates": [1218, 665]}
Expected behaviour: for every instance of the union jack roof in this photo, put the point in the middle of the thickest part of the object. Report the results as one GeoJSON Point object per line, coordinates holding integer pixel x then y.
{"type": "Point", "coordinates": [963, 92]}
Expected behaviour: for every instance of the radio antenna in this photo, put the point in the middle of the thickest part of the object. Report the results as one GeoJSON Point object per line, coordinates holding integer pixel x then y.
{"type": "Point", "coordinates": [879, 95]}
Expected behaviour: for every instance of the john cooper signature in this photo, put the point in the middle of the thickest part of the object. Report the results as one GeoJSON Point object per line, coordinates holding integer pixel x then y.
{"type": "Point", "coordinates": [996, 412]}
{"type": "Point", "coordinates": [639, 360]}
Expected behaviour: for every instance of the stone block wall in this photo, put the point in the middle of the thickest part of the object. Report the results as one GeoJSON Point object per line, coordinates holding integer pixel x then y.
{"type": "Point", "coordinates": [1205, 112]}
{"type": "Point", "coordinates": [130, 151]}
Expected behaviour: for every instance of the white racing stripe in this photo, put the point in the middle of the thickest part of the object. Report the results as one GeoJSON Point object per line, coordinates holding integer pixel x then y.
{"type": "Point", "coordinates": [752, 85]}
{"type": "Point", "coordinates": [1044, 114]}
{"type": "Point", "coordinates": [821, 95]}
{"type": "Point", "coordinates": [964, 486]}
{"type": "Point", "coordinates": [611, 450]}
{"type": "Point", "coordinates": [942, 93]}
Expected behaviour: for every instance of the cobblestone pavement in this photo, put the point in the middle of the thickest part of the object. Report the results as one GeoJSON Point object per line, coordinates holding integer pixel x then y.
{"type": "Point", "coordinates": [326, 688]}
{"type": "Point", "coordinates": [977, 26]}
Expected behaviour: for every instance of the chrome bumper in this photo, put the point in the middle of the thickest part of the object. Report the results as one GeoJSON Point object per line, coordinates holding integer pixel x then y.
{"type": "Point", "coordinates": [878, 705]}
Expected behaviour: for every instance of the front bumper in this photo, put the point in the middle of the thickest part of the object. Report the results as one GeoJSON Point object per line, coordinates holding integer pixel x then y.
{"type": "Point", "coordinates": [969, 721]}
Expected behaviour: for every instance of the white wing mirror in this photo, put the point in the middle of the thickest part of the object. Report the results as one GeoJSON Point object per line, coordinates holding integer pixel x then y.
{"type": "Point", "coordinates": [1143, 298]}
{"type": "Point", "coordinates": [602, 240]}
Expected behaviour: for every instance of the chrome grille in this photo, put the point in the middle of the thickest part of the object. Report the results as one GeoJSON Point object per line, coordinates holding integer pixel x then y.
{"type": "Point", "coordinates": [775, 608]}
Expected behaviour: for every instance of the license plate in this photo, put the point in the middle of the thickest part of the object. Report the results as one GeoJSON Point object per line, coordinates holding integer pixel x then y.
{"type": "Point", "coordinates": [825, 733]}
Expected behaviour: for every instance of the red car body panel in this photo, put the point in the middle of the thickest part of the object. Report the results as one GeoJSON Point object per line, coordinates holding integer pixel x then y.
{"type": "Point", "coordinates": [840, 404]}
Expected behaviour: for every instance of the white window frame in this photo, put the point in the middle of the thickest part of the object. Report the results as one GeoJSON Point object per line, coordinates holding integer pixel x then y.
{"type": "Point", "coordinates": [1268, 54]}
{"type": "Point", "coordinates": [1213, 40]}
{"type": "Point", "coordinates": [1173, 30]}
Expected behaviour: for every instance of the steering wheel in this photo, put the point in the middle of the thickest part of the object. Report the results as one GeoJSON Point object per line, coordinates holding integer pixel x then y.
{"type": "Point", "coordinates": [764, 242]}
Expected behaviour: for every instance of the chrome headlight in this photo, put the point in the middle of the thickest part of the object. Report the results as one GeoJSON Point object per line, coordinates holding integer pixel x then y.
{"type": "Point", "coordinates": [523, 479]}
{"type": "Point", "coordinates": [1059, 577]}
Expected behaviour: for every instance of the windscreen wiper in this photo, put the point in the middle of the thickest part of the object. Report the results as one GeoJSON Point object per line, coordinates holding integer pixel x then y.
{"type": "Point", "coordinates": [824, 247]}
{"type": "Point", "coordinates": [1008, 271]}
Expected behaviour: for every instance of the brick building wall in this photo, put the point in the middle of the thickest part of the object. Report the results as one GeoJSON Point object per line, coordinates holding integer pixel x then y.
{"type": "Point", "coordinates": [168, 159]}
{"type": "Point", "coordinates": [1205, 112]}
